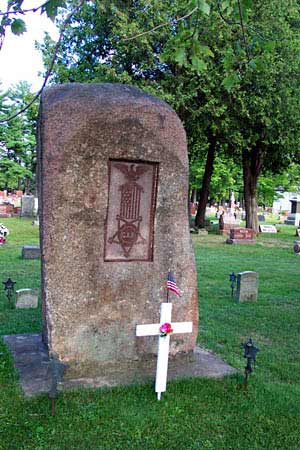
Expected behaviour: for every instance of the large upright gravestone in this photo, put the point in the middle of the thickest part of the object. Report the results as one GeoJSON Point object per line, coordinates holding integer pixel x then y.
{"type": "Point", "coordinates": [113, 173]}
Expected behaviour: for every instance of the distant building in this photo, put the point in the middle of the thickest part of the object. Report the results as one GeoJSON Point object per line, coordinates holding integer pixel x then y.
{"type": "Point", "coordinates": [284, 203]}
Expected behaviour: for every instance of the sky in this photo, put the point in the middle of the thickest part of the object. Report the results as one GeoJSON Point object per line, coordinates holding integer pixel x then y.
{"type": "Point", "coordinates": [19, 60]}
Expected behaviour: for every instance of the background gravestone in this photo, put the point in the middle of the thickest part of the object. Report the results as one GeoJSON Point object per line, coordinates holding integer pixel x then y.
{"type": "Point", "coordinates": [113, 172]}
{"type": "Point", "coordinates": [247, 286]}
{"type": "Point", "coordinates": [27, 206]}
{"type": "Point", "coordinates": [27, 298]}
{"type": "Point", "coordinates": [31, 252]}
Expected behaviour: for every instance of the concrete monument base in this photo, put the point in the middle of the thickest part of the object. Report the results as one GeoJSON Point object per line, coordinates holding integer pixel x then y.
{"type": "Point", "coordinates": [31, 357]}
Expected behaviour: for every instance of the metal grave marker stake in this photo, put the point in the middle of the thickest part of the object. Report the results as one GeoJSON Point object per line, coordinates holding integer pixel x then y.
{"type": "Point", "coordinates": [163, 343]}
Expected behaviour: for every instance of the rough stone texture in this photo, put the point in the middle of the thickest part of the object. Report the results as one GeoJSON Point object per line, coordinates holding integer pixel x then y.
{"type": "Point", "coordinates": [27, 298]}
{"type": "Point", "coordinates": [247, 285]}
{"type": "Point", "coordinates": [31, 361]}
{"type": "Point", "coordinates": [31, 252]}
{"type": "Point", "coordinates": [91, 306]}
{"type": "Point", "coordinates": [27, 206]}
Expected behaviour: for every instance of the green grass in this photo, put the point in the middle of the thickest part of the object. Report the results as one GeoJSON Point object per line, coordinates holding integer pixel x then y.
{"type": "Point", "coordinates": [193, 414]}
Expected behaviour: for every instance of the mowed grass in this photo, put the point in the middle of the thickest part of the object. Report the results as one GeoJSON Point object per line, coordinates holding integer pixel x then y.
{"type": "Point", "coordinates": [193, 414]}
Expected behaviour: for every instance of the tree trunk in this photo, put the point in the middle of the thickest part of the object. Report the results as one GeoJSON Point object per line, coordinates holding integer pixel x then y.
{"type": "Point", "coordinates": [204, 191]}
{"type": "Point", "coordinates": [194, 196]}
{"type": "Point", "coordinates": [26, 182]}
{"type": "Point", "coordinates": [252, 162]}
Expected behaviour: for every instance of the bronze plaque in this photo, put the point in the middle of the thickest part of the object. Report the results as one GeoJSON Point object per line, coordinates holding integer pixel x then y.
{"type": "Point", "coordinates": [129, 227]}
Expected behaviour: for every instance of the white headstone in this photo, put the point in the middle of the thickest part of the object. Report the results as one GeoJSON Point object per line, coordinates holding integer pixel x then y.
{"type": "Point", "coordinates": [267, 229]}
{"type": "Point", "coordinates": [27, 298]}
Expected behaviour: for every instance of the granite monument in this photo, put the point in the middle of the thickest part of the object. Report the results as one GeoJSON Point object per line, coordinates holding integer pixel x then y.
{"type": "Point", "coordinates": [113, 196]}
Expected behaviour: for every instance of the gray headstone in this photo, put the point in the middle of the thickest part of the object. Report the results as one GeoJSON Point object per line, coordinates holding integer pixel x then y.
{"type": "Point", "coordinates": [31, 252]}
{"type": "Point", "coordinates": [293, 219]}
{"type": "Point", "coordinates": [247, 286]}
{"type": "Point", "coordinates": [27, 206]}
{"type": "Point", "coordinates": [27, 298]}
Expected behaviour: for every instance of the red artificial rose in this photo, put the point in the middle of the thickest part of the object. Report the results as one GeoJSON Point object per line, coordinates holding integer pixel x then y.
{"type": "Point", "coordinates": [166, 328]}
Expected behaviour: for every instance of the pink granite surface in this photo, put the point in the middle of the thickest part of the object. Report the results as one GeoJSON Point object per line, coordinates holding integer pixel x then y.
{"type": "Point", "coordinates": [91, 306]}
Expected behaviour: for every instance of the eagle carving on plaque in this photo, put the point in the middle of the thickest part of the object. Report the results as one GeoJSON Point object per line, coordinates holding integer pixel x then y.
{"type": "Point", "coordinates": [129, 219]}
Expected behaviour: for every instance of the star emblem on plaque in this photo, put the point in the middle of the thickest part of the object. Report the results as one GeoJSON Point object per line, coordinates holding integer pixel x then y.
{"type": "Point", "coordinates": [131, 208]}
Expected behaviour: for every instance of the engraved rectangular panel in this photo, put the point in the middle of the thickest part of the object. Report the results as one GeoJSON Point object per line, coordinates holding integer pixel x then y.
{"type": "Point", "coordinates": [129, 229]}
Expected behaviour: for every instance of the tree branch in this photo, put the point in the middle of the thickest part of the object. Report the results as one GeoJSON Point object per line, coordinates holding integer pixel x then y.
{"type": "Point", "coordinates": [161, 25]}
{"type": "Point", "coordinates": [49, 70]}
{"type": "Point", "coordinates": [20, 11]}
{"type": "Point", "coordinates": [243, 31]}
{"type": "Point", "coordinates": [227, 21]}
{"type": "Point", "coordinates": [232, 22]}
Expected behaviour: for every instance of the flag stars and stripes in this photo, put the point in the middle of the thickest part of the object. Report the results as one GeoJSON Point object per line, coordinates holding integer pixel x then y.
{"type": "Point", "coordinates": [172, 286]}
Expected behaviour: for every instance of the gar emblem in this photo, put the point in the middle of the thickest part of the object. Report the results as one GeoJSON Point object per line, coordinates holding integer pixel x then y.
{"type": "Point", "coordinates": [129, 218]}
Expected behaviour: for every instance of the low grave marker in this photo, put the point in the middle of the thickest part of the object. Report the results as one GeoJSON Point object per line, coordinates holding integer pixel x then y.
{"type": "Point", "coordinates": [31, 252]}
{"type": "Point", "coordinates": [27, 298]}
{"type": "Point", "coordinates": [267, 229]}
{"type": "Point", "coordinates": [241, 236]}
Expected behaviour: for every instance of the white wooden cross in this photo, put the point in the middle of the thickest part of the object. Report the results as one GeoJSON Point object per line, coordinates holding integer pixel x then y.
{"type": "Point", "coordinates": [163, 343]}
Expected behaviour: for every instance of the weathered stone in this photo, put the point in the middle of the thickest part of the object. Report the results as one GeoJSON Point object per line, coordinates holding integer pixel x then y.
{"type": "Point", "coordinates": [247, 285]}
{"type": "Point", "coordinates": [27, 298]}
{"type": "Point", "coordinates": [114, 168]}
{"type": "Point", "coordinates": [27, 206]}
{"type": "Point", "coordinates": [31, 359]}
{"type": "Point", "coordinates": [31, 252]}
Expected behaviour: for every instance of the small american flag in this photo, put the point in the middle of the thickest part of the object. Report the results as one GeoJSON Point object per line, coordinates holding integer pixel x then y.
{"type": "Point", "coordinates": [172, 286]}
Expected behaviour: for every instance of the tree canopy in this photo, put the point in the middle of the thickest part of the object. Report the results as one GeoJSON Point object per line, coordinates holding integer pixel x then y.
{"type": "Point", "coordinates": [11, 17]}
{"type": "Point", "coordinates": [230, 69]}
{"type": "Point", "coordinates": [17, 140]}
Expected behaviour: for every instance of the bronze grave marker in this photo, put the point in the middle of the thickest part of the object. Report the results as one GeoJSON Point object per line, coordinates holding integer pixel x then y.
{"type": "Point", "coordinates": [131, 209]}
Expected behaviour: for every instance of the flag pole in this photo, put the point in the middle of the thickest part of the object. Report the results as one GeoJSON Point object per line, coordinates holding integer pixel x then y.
{"type": "Point", "coordinates": [167, 287]}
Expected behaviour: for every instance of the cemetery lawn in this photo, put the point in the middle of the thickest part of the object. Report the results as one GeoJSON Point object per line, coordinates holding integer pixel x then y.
{"type": "Point", "coordinates": [193, 414]}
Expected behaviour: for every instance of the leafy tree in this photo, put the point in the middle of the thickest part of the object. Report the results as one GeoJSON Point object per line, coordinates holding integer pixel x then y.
{"type": "Point", "coordinates": [98, 47]}
{"type": "Point", "coordinates": [17, 140]}
{"type": "Point", "coordinates": [226, 177]}
{"type": "Point", "coordinates": [232, 74]}
{"type": "Point", "coordinates": [12, 16]}
{"type": "Point", "coordinates": [270, 185]}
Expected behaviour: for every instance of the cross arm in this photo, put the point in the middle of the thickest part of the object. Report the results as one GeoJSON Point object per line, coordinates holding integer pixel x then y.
{"type": "Point", "coordinates": [153, 328]}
